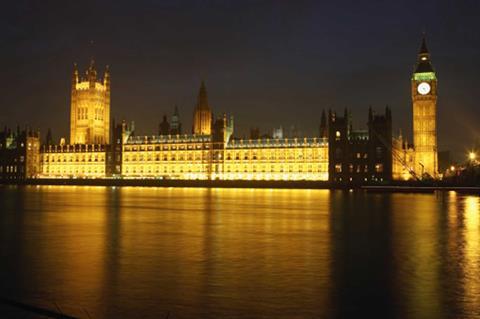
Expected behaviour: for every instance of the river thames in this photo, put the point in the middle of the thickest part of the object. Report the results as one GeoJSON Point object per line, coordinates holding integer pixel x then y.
{"type": "Point", "coordinates": [105, 252]}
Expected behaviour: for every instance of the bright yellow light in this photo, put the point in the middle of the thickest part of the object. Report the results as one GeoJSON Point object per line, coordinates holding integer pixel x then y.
{"type": "Point", "coordinates": [452, 168]}
{"type": "Point", "coordinates": [472, 156]}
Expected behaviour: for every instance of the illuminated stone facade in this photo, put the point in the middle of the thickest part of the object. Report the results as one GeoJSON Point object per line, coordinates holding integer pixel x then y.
{"type": "Point", "coordinates": [274, 159]}
{"type": "Point", "coordinates": [403, 158]}
{"type": "Point", "coordinates": [420, 160]}
{"type": "Point", "coordinates": [190, 157]}
{"type": "Point", "coordinates": [338, 154]}
{"type": "Point", "coordinates": [217, 156]}
{"type": "Point", "coordinates": [73, 161]}
{"type": "Point", "coordinates": [90, 108]}
{"type": "Point", "coordinates": [167, 157]}
{"type": "Point", "coordinates": [424, 100]}
{"type": "Point", "coordinates": [197, 157]}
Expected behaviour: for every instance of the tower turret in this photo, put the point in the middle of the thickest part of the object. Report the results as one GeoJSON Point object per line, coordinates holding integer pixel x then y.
{"type": "Point", "coordinates": [323, 125]}
{"type": "Point", "coordinates": [74, 76]}
{"type": "Point", "coordinates": [164, 127]}
{"type": "Point", "coordinates": [106, 110]}
{"type": "Point", "coordinates": [176, 127]}
{"type": "Point", "coordinates": [106, 78]}
{"type": "Point", "coordinates": [91, 74]}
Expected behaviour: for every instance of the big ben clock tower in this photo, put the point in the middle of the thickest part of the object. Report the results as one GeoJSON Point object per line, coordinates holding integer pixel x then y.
{"type": "Point", "coordinates": [424, 101]}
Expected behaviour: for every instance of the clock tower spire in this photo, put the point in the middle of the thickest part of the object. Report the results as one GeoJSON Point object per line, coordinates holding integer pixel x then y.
{"type": "Point", "coordinates": [424, 103]}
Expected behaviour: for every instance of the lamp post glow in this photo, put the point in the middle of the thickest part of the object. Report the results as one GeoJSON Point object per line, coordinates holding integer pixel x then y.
{"type": "Point", "coordinates": [472, 156]}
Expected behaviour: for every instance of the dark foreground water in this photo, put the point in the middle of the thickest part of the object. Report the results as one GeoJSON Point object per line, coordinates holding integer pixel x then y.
{"type": "Point", "coordinates": [210, 253]}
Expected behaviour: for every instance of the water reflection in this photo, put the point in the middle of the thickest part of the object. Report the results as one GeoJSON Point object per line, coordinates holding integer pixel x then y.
{"type": "Point", "coordinates": [140, 252]}
{"type": "Point", "coordinates": [471, 298]}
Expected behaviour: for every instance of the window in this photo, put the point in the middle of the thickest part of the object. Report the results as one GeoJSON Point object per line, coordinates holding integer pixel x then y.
{"type": "Point", "coordinates": [379, 168]}
{"type": "Point", "coordinates": [338, 168]}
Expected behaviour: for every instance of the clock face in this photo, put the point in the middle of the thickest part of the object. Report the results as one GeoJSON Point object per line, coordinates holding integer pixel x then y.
{"type": "Point", "coordinates": [423, 88]}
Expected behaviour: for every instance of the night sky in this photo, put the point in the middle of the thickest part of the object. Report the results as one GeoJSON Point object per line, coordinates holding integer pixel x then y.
{"type": "Point", "coordinates": [269, 63]}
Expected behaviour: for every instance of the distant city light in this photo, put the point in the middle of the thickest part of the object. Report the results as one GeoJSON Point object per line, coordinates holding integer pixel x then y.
{"type": "Point", "coordinates": [472, 156]}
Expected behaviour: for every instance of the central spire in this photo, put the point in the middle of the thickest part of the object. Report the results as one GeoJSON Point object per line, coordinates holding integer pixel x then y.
{"type": "Point", "coordinates": [202, 117]}
{"type": "Point", "coordinates": [423, 47]}
{"type": "Point", "coordinates": [423, 61]}
{"type": "Point", "coordinates": [202, 100]}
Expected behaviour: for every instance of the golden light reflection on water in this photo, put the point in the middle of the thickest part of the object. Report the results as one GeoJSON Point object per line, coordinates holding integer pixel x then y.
{"type": "Point", "coordinates": [62, 237]}
{"type": "Point", "coordinates": [422, 255]}
{"type": "Point", "coordinates": [231, 252]}
{"type": "Point", "coordinates": [194, 249]}
{"type": "Point", "coordinates": [472, 254]}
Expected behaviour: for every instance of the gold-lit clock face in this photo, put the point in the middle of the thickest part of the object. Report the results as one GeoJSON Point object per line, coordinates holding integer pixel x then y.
{"type": "Point", "coordinates": [423, 88]}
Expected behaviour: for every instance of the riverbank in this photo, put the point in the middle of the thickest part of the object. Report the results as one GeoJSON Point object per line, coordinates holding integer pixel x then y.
{"type": "Point", "coordinates": [405, 187]}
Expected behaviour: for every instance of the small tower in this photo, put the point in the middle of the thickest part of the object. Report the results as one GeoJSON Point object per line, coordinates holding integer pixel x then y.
{"type": "Point", "coordinates": [49, 138]}
{"type": "Point", "coordinates": [202, 117]}
{"type": "Point", "coordinates": [74, 112]}
{"type": "Point", "coordinates": [106, 117]}
{"type": "Point", "coordinates": [164, 127]}
{"type": "Point", "coordinates": [176, 127]}
{"type": "Point", "coordinates": [323, 125]}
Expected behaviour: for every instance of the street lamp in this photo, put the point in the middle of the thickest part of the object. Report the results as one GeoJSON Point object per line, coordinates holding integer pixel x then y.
{"type": "Point", "coordinates": [472, 156]}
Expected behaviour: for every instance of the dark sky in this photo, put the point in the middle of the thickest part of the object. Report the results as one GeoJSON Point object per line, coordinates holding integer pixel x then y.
{"type": "Point", "coordinates": [269, 63]}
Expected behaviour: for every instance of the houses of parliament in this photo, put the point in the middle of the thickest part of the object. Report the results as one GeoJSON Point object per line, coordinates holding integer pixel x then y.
{"type": "Point", "coordinates": [100, 148]}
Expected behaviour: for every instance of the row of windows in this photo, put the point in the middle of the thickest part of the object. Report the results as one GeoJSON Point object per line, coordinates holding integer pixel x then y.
{"type": "Point", "coordinates": [164, 169]}
{"type": "Point", "coordinates": [157, 157]}
{"type": "Point", "coordinates": [275, 168]}
{"type": "Point", "coordinates": [190, 156]}
{"type": "Point", "coordinates": [133, 169]}
{"type": "Point", "coordinates": [98, 114]}
{"type": "Point", "coordinates": [83, 113]}
{"type": "Point", "coordinates": [9, 169]}
{"type": "Point", "coordinates": [358, 168]}
{"type": "Point", "coordinates": [372, 178]}
{"type": "Point", "coordinates": [379, 152]}
{"type": "Point", "coordinates": [73, 158]}
{"type": "Point", "coordinates": [424, 111]}
{"type": "Point", "coordinates": [166, 147]}
{"type": "Point", "coordinates": [69, 171]}
{"type": "Point", "coordinates": [272, 156]}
